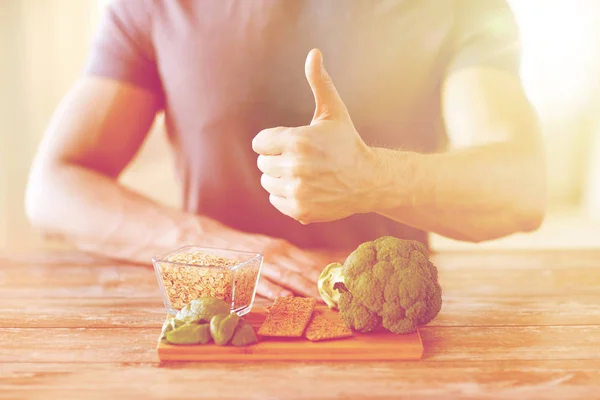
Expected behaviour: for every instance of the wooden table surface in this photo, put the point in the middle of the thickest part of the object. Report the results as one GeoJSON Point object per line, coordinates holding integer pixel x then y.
{"type": "Point", "coordinates": [513, 325]}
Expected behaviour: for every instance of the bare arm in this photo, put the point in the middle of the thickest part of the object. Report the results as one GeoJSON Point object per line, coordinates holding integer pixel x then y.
{"type": "Point", "coordinates": [491, 184]}
{"type": "Point", "coordinates": [73, 192]}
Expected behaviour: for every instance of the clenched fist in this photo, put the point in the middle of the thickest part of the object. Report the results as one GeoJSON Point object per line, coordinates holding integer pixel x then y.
{"type": "Point", "coordinates": [318, 172]}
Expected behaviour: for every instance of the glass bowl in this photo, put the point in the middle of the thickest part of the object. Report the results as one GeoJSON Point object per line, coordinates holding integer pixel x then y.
{"type": "Point", "coordinates": [191, 272]}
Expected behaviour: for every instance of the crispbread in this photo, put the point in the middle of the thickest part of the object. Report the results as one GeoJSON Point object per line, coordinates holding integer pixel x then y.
{"type": "Point", "coordinates": [288, 317]}
{"type": "Point", "coordinates": [321, 328]}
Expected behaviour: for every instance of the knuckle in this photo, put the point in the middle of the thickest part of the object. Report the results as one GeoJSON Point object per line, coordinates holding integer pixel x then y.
{"type": "Point", "coordinates": [296, 166]}
{"type": "Point", "coordinates": [296, 188]}
{"type": "Point", "coordinates": [300, 210]}
{"type": "Point", "coordinates": [299, 144]}
{"type": "Point", "coordinates": [283, 274]}
{"type": "Point", "coordinates": [305, 220]}
{"type": "Point", "coordinates": [305, 216]}
{"type": "Point", "coordinates": [293, 145]}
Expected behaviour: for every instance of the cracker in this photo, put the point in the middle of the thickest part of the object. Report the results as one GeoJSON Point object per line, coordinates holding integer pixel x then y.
{"type": "Point", "coordinates": [321, 328]}
{"type": "Point", "coordinates": [288, 317]}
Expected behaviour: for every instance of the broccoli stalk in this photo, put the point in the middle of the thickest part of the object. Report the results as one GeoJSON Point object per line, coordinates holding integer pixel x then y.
{"type": "Point", "coordinates": [388, 282]}
{"type": "Point", "coordinates": [329, 280]}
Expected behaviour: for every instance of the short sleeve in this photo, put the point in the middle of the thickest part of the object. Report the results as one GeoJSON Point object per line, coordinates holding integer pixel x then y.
{"type": "Point", "coordinates": [486, 34]}
{"type": "Point", "coordinates": [122, 47]}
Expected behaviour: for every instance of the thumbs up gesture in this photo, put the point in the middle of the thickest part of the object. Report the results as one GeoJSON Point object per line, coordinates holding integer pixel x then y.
{"type": "Point", "coordinates": [318, 172]}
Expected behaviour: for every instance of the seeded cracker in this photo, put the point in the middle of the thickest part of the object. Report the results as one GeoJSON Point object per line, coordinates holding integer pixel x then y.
{"type": "Point", "coordinates": [288, 317]}
{"type": "Point", "coordinates": [321, 328]}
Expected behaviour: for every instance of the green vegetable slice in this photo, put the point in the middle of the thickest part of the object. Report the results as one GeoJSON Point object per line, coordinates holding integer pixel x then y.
{"type": "Point", "coordinates": [189, 334]}
{"type": "Point", "coordinates": [244, 335]}
{"type": "Point", "coordinates": [222, 327]}
{"type": "Point", "coordinates": [202, 310]}
{"type": "Point", "coordinates": [169, 325]}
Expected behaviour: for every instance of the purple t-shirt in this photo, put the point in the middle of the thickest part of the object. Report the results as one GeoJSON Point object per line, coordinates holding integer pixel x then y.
{"type": "Point", "coordinates": [226, 69]}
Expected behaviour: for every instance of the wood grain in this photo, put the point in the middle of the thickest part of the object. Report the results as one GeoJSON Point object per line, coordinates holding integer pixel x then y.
{"type": "Point", "coordinates": [92, 312]}
{"type": "Point", "coordinates": [570, 379]}
{"type": "Point", "coordinates": [443, 343]}
{"type": "Point", "coordinates": [513, 325]}
{"type": "Point", "coordinates": [491, 259]}
{"type": "Point", "coordinates": [77, 281]}
{"type": "Point", "coordinates": [52, 257]}
{"type": "Point", "coordinates": [103, 281]}
{"type": "Point", "coordinates": [457, 310]}
{"type": "Point", "coordinates": [523, 260]}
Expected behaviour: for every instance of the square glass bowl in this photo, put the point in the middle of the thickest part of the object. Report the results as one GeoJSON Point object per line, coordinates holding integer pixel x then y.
{"type": "Point", "coordinates": [191, 272]}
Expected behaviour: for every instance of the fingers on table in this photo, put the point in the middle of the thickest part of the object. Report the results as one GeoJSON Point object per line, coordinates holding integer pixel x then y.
{"type": "Point", "coordinates": [271, 291]}
{"type": "Point", "coordinates": [293, 280]}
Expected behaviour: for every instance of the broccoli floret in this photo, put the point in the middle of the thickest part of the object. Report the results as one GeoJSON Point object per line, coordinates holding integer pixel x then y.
{"type": "Point", "coordinates": [356, 315]}
{"type": "Point", "coordinates": [387, 282]}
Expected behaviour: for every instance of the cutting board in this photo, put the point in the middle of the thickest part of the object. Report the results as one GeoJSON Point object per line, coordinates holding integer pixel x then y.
{"type": "Point", "coordinates": [377, 346]}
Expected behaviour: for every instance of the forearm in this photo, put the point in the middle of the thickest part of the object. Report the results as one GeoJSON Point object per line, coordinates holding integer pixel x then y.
{"type": "Point", "coordinates": [474, 194]}
{"type": "Point", "coordinates": [96, 214]}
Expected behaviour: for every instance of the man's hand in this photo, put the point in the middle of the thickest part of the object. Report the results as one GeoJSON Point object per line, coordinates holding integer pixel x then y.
{"type": "Point", "coordinates": [316, 173]}
{"type": "Point", "coordinates": [289, 270]}
{"type": "Point", "coordinates": [73, 193]}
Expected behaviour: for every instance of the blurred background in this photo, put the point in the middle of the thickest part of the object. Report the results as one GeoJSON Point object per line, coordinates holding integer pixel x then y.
{"type": "Point", "coordinates": [43, 46]}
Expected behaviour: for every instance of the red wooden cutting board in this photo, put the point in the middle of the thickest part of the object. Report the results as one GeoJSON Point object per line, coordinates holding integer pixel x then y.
{"type": "Point", "coordinates": [369, 347]}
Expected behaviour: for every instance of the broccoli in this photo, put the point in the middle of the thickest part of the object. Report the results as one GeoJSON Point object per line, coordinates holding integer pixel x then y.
{"type": "Point", "coordinates": [387, 282]}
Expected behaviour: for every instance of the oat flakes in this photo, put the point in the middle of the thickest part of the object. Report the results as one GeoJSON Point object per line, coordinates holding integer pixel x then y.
{"type": "Point", "coordinates": [210, 277]}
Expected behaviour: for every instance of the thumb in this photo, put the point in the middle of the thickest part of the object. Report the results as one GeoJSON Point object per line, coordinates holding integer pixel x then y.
{"type": "Point", "coordinates": [328, 104]}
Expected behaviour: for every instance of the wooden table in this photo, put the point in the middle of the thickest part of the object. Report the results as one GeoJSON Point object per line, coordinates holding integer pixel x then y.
{"type": "Point", "coordinates": [513, 325]}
